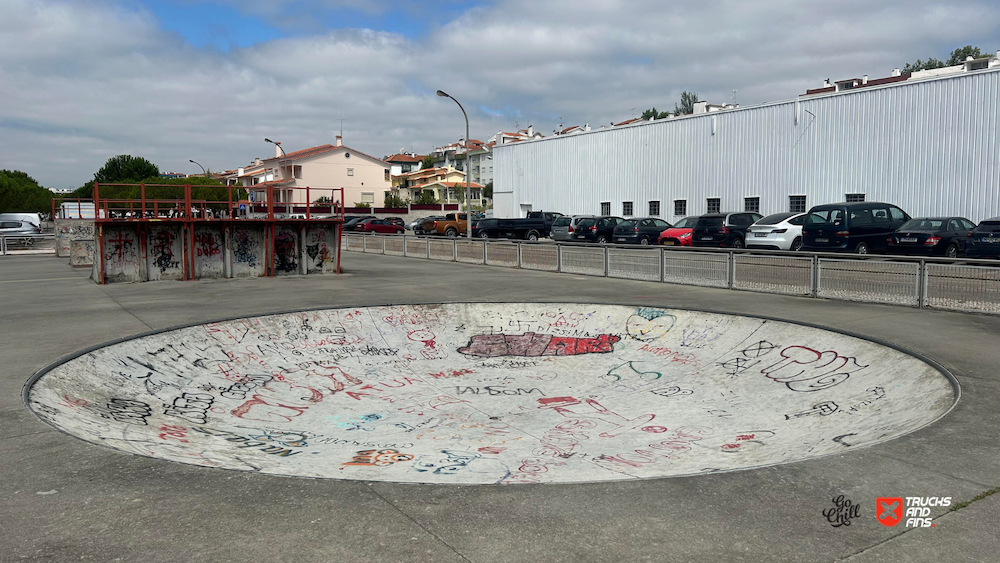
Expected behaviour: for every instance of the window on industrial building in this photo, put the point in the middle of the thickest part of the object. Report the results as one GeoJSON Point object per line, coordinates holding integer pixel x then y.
{"type": "Point", "coordinates": [654, 209]}
{"type": "Point", "coordinates": [680, 207]}
{"type": "Point", "coordinates": [714, 205]}
{"type": "Point", "coordinates": [350, 172]}
{"type": "Point", "coordinates": [605, 208]}
{"type": "Point", "coordinates": [627, 208]}
{"type": "Point", "coordinates": [751, 204]}
{"type": "Point", "coordinates": [368, 197]}
{"type": "Point", "coordinates": [797, 203]}
{"type": "Point", "coordinates": [854, 197]}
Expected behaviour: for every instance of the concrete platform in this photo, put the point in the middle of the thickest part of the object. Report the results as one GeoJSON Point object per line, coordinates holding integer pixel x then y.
{"type": "Point", "coordinates": [68, 499]}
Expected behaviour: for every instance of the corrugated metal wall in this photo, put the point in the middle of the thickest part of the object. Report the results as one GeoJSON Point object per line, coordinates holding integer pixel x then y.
{"type": "Point", "coordinates": [930, 147]}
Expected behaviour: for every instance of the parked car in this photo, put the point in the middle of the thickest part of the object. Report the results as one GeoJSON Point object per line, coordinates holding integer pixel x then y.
{"type": "Point", "coordinates": [396, 221]}
{"type": "Point", "coordinates": [984, 241]}
{"type": "Point", "coordinates": [860, 227]}
{"type": "Point", "coordinates": [643, 230]}
{"type": "Point", "coordinates": [931, 236]}
{"type": "Point", "coordinates": [723, 229]}
{"type": "Point", "coordinates": [418, 225]}
{"type": "Point", "coordinates": [781, 231]}
{"type": "Point", "coordinates": [533, 227]}
{"type": "Point", "coordinates": [20, 232]}
{"type": "Point", "coordinates": [548, 218]}
{"type": "Point", "coordinates": [452, 225]}
{"type": "Point", "coordinates": [563, 228]}
{"type": "Point", "coordinates": [679, 234]}
{"type": "Point", "coordinates": [597, 229]}
{"type": "Point", "coordinates": [378, 226]}
{"type": "Point", "coordinates": [349, 224]}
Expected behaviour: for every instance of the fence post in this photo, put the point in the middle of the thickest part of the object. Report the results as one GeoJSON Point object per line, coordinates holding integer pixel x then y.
{"type": "Point", "coordinates": [364, 243]}
{"type": "Point", "coordinates": [427, 246]}
{"type": "Point", "coordinates": [922, 285]}
{"type": "Point", "coordinates": [404, 246]}
{"type": "Point", "coordinates": [484, 251]}
{"type": "Point", "coordinates": [454, 249]}
{"type": "Point", "coordinates": [814, 289]}
{"type": "Point", "coordinates": [383, 244]}
{"type": "Point", "coordinates": [607, 261]}
{"type": "Point", "coordinates": [558, 257]}
{"type": "Point", "coordinates": [663, 265]}
{"type": "Point", "coordinates": [731, 270]}
{"type": "Point", "coordinates": [518, 255]}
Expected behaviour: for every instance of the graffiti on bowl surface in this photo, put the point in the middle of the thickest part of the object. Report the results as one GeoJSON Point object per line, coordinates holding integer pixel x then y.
{"type": "Point", "coordinates": [491, 393]}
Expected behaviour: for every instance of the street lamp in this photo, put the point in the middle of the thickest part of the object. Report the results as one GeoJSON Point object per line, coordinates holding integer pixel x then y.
{"type": "Point", "coordinates": [468, 176]}
{"type": "Point", "coordinates": [203, 173]}
{"type": "Point", "coordinates": [278, 144]}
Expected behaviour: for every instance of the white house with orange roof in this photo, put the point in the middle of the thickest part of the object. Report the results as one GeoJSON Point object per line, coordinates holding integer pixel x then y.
{"type": "Point", "coordinates": [364, 178]}
{"type": "Point", "coordinates": [441, 182]}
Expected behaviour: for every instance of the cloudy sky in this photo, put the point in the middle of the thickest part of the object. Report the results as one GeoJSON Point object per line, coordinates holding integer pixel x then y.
{"type": "Point", "coordinates": [172, 80]}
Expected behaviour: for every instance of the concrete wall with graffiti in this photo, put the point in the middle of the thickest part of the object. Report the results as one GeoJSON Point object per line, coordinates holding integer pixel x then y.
{"type": "Point", "coordinates": [69, 230]}
{"type": "Point", "coordinates": [506, 393]}
{"type": "Point", "coordinates": [81, 253]}
{"type": "Point", "coordinates": [135, 252]}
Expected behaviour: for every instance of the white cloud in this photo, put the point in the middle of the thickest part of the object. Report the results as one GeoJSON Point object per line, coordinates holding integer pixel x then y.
{"type": "Point", "coordinates": [83, 81]}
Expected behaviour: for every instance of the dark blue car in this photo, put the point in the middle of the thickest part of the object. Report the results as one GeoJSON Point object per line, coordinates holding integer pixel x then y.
{"type": "Point", "coordinates": [984, 241]}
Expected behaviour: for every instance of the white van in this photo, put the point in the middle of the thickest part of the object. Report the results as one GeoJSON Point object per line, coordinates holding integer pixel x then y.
{"type": "Point", "coordinates": [33, 218]}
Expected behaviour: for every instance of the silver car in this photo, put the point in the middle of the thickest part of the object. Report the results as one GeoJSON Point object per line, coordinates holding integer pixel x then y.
{"type": "Point", "coordinates": [781, 231]}
{"type": "Point", "coordinates": [20, 232]}
{"type": "Point", "coordinates": [564, 227]}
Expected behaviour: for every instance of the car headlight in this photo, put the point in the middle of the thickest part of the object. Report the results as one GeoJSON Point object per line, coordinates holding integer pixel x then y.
{"type": "Point", "coordinates": [685, 235]}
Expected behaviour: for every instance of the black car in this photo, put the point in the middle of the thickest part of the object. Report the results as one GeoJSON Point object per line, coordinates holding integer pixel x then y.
{"type": "Point", "coordinates": [723, 229]}
{"type": "Point", "coordinates": [640, 231]}
{"type": "Point", "coordinates": [418, 226]}
{"type": "Point", "coordinates": [860, 227]}
{"type": "Point", "coordinates": [931, 236]}
{"type": "Point", "coordinates": [984, 241]}
{"type": "Point", "coordinates": [596, 229]}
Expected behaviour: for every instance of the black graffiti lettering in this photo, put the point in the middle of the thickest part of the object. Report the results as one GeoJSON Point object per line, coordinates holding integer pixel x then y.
{"type": "Point", "coordinates": [192, 407]}
{"type": "Point", "coordinates": [127, 411]}
{"type": "Point", "coordinates": [494, 391]}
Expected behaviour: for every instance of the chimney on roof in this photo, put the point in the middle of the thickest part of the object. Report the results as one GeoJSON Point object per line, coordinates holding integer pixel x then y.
{"type": "Point", "coordinates": [256, 161]}
{"type": "Point", "coordinates": [864, 79]}
{"type": "Point", "coordinates": [896, 72]}
{"type": "Point", "coordinates": [340, 141]}
{"type": "Point", "coordinates": [531, 131]}
{"type": "Point", "coordinates": [277, 149]}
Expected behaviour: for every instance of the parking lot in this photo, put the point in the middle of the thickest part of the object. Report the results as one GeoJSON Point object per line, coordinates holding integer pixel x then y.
{"type": "Point", "coordinates": [67, 499]}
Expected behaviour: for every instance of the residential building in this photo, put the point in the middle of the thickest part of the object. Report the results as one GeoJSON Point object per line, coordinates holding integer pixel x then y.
{"type": "Point", "coordinates": [364, 178]}
{"type": "Point", "coordinates": [440, 182]}
{"type": "Point", "coordinates": [403, 163]}
{"type": "Point", "coordinates": [970, 65]}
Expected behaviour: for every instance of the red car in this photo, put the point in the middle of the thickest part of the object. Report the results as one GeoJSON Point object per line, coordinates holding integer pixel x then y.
{"type": "Point", "coordinates": [679, 234]}
{"type": "Point", "coordinates": [378, 226]}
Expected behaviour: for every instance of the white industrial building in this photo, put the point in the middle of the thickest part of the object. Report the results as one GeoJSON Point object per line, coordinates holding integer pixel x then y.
{"type": "Point", "coordinates": [930, 145]}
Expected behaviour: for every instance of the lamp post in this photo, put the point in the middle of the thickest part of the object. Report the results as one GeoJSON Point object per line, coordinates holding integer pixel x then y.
{"type": "Point", "coordinates": [277, 144]}
{"type": "Point", "coordinates": [468, 176]}
{"type": "Point", "coordinates": [203, 173]}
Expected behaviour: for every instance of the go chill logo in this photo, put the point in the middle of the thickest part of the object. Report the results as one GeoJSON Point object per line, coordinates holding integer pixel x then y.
{"type": "Point", "coordinates": [889, 510]}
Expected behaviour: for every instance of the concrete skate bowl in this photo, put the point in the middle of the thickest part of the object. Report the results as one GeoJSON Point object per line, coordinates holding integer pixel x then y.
{"type": "Point", "coordinates": [482, 393]}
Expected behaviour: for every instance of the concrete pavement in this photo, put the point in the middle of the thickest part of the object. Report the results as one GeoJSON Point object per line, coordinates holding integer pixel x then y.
{"type": "Point", "coordinates": [65, 499]}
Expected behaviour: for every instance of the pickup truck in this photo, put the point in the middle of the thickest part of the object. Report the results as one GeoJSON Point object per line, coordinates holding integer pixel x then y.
{"type": "Point", "coordinates": [536, 225]}
{"type": "Point", "coordinates": [453, 225]}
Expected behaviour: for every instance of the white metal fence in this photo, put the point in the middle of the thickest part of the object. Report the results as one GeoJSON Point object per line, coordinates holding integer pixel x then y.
{"type": "Point", "coordinates": [33, 244]}
{"type": "Point", "coordinates": [962, 285]}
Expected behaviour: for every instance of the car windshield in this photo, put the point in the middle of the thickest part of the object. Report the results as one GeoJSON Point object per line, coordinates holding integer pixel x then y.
{"type": "Point", "coordinates": [989, 226]}
{"type": "Point", "coordinates": [826, 217]}
{"type": "Point", "coordinates": [711, 221]}
{"type": "Point", "coordinates": [775, 219]}
{"type": "Point", "coordinates": [686, 223]}
{"type": "Point", "coordinates": [562, 222]}
{"type": "Point", "coordinates": [922, 225]}
{"type": "Point", "coordinates": [586, 222]}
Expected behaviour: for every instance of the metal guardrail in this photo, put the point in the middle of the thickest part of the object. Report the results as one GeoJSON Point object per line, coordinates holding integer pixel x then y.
{"type": "Point", "coordinates": [16, 244]}
{"type": "Point", "coordinates": [940, 283]}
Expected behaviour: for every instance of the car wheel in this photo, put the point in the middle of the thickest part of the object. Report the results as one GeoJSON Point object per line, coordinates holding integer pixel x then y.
{"type": "Point", "coordinates": [484, 235]}
{"type": "Point", "coordinates": [399, 231]}
{"type": "Point", "coordinates": [451, 233]}
{"type": "Point", "coordinates": [796, 244]}
{"type": "Point", "coordinates": [952, 251]}
{"type": "Point", "coordinates": [601, 239]}
{"type": "Point", "coordinates": [738, 243]}
{"type": "Point", "coordinates": [532, 235]}
{"type": "Point", "coordinates": [644, 241]}
{"type": "Point", "coordinates": [861, 248]}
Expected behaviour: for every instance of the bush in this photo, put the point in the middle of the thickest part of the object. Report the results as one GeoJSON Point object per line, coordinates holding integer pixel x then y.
{"type": "Point", "coordinates": [393, 200]}
{"type": "Point", "coordinates": [361, 205]}
{"type": "Point", "coordinates": [425, 198]}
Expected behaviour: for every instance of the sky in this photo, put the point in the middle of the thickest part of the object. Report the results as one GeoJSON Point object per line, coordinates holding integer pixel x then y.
{"type": "Point", "coordinates": [178, 80]}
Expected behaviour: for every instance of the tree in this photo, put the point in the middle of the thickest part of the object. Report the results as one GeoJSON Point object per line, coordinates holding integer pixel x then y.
{"type": "Point", "coordinates": [20, 192]}
{"type": "Point", "coordinates": [957, 57]}
{"type": "Point", "coordinates": [126, 168]}
{"type": "Point", "coordinates": [488, 190]}
{"type": "Point", "coordinates": [393, 200]}
{"type": "Point", "coordinates": [688, 100]}
{"type": "Point", "coordinates": [427, 163]}
{"type": "Point", "coordinates": [425, 197]}
{"type": "Point", "coordinates": [651, 113]}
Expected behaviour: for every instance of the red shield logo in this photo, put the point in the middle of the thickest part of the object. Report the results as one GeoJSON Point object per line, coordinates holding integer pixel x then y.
{"type": "Point", "coordinates": [889, 510]}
